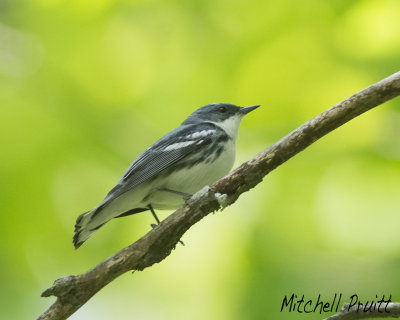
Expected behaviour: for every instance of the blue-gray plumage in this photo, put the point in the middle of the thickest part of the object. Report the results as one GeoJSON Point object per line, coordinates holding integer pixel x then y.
{"type": "Point", "coordinates": [197, 153]}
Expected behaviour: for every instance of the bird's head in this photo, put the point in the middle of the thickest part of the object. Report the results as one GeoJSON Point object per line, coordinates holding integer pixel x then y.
{"type": "Point", "coordinates": [225, 115]}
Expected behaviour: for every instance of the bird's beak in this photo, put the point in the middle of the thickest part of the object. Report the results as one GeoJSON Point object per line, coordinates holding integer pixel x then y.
{"type": "Point", "coordinates": [246, 110]}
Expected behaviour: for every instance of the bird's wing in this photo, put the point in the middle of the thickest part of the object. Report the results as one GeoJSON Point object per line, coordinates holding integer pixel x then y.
{"type": "Point", "coordinates": [168, 150]}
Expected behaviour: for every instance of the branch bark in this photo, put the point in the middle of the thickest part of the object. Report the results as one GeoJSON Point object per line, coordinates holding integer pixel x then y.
{"type": "Point", "coordinates": [74, 291]}
{"type": "Point", "coordinates": [392, 310]}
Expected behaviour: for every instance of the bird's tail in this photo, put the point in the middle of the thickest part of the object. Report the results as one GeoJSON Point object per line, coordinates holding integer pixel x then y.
{"type": "Point", "coordinates": [91, 221]}
{"type": "Point", "coordinates": [85, 226]}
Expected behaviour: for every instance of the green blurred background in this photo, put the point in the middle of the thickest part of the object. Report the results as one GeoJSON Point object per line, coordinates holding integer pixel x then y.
{"type": "Point", "coordinates": [86, 85]}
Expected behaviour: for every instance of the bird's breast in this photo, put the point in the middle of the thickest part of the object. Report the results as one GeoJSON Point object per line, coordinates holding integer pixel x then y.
{"type": "Point", "coordinates": [193, 174]}
{"type": "Point", "coordinates": [201, 171]}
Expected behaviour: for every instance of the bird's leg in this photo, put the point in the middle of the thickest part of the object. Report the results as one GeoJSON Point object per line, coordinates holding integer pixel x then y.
{"type": "Point", "coordinates": [154, 215]}
{"type": "Point", "coordinates": [185, 196]}
{"type": "Point", "coordinates": [157, 220]}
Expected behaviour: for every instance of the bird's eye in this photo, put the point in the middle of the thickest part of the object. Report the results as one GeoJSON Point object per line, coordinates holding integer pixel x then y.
{"type": "Point", "coordinates": [222, 109]}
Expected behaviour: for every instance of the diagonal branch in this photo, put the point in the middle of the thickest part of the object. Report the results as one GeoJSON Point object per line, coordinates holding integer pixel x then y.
{"type": "Point", "coordinates": [74, 291]}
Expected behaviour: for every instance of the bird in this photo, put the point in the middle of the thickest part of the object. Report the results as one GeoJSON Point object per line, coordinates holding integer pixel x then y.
{"type": "Point", "coordinates": [195, 154]}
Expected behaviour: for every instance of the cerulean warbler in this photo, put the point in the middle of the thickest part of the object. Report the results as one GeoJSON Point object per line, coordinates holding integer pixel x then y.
{"type": "Point", "coordinates": [197, 153]}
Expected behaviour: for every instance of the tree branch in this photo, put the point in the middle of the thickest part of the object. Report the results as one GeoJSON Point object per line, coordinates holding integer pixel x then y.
{"type": "Point", "coordinates": [74, 291]}
{"type": "Point", "coordinates": [391, 310]}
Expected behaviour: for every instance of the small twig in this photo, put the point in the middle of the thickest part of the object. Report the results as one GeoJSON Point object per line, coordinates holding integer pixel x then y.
{"type": "Point", "coordinates": [390, 310]}
{"type": "Point", "coordinates": [74, 291]}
